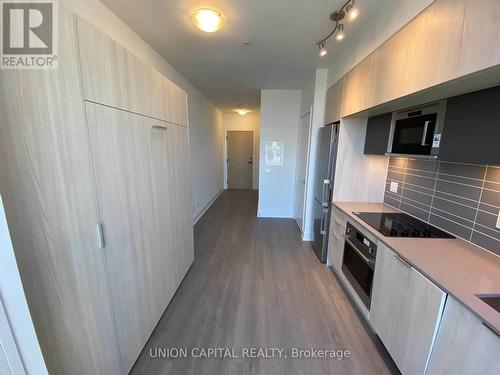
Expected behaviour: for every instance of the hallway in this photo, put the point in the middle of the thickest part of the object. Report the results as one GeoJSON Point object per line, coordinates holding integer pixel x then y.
{"type": "Point", "coordinates": [254, 283]}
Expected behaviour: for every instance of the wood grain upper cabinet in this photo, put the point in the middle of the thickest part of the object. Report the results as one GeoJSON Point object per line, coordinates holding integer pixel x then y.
{"type": "Point", "coordinates": [357, 88]}
{"type": "Point", "coordinates": [405, 311]}
{"type": "Point", "coordinates": [111, 74]}
{"type": "Point", "coordinates": [114, 76]}
{"type": "Point", "coordinates": [169, 101]}
{"type": "Point", "coordinates": [434, 45]}
{"type": "Point", "coordinates": [389, 65]}
{"type": "Point", "coordinates": [333, 106]}
{"type": "Point", "coordinates": [464, 346]}
{"type": "Point", "coordinates": [480, 48]}
{"type": "Point", "coordinates": [47, 184]}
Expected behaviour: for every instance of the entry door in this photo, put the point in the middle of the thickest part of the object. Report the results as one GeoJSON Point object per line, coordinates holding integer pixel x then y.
{"type": "Point", "coordinates": [300, 176]}
{"type": "Point", "coordinates": [240, 159]}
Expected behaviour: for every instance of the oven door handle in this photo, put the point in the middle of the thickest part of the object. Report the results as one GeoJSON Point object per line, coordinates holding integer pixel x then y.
{"type": "Point", "coordinates": [363, 256]}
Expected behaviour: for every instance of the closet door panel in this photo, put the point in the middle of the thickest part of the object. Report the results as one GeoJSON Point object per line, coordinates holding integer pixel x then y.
{"type": "Point", "coordinates": [181, 192]}
{"type": "Point", "coordinates": [47, 183]}
{"type": "Point", "coordinates": [121, 148]}
{"type": "Point", "coordinates": [164, 212]}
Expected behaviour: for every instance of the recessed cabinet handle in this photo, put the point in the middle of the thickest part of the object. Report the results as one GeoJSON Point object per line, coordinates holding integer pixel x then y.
{"type": "Point", "coordinates": [404, 262]}
{"type": "Point", "coordinates": [158, 127]}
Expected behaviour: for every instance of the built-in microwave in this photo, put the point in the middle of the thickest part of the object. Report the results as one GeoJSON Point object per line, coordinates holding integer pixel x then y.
{"type": "Point", "coordinates": [417, 131]}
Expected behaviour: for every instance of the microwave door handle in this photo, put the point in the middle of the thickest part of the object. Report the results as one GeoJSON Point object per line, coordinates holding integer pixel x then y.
{"type": "Point", "coordinates": [424, 135]}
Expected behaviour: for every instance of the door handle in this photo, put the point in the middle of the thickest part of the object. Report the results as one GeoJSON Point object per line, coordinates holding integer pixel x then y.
{"type": "Point", "coordinates": [159, 127]}
{"type": "Point", "coordinates": [424, 134]}
{"type": "Point", "coordinates": [323, 221]}
{"type": "Point", "coordinates": [325, 199]}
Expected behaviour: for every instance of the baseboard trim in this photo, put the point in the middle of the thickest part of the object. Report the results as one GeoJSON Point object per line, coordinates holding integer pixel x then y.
{"type": "Point", "coordinates": [275, 214]}
{"type": "Point", "coordinates": [202, 212]}
{"type": "Point", "coordinates": [307, 236]}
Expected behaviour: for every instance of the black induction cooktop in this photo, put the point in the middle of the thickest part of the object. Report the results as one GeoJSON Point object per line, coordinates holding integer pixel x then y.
{"type": "Point", "coordinates": [398, 224]}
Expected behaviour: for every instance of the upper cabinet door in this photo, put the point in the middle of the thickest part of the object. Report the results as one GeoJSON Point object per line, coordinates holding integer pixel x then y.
{"type": "Point", "coordinates": [480, 47]}
{"type": "Point", "coordinates": [357, 87]}
{"type": "Point", "coordinates": [434, 38]}
{"type": "Point", "coordinates": [114, 76]}
{"type": "Point", "coordinates": [111, 74]}
{"type": "Point", "coordinates": [47, 184]}
{"type": "Point", "coordinates": [334, 98]}
{"type": "Point", "coordinates": [389, 65]}
{"type": "Point", "coordinates": [169, 101]}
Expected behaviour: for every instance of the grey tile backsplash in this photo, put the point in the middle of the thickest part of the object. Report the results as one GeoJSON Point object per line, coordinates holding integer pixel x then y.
{"type": "Point", "coordinates": [462, 199]}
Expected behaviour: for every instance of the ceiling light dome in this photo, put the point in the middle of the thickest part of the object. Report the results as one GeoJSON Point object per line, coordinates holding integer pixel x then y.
{"type": "Point", "coordinates": [242, 111]}
{"type": "Point", "coordinates": [207, 20]}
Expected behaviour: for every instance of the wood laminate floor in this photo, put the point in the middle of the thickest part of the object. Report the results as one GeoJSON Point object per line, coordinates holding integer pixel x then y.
{"type": "Point", "coordinates": [255, 284]}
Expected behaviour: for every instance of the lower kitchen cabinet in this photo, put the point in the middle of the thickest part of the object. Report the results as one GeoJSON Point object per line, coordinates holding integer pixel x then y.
{"type": "Point", "coordinates": [336, 241]}
{"type": "Point", "coordinates": [464, 346]}
{"type": "Point", "coordinates": [405, 311]}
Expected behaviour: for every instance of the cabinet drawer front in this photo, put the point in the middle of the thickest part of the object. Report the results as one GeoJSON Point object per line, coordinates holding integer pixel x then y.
{"type": "Point", "coordinates": [405, 312]}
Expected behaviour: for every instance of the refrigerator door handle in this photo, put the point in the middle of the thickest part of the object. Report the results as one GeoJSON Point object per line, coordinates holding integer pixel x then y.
{"type": "Point", "coordinates": [325, 197]}
{"type": "Point", "coordinates": [323, 221]}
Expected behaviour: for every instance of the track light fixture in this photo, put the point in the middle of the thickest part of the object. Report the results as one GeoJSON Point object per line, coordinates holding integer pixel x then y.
{"type": "Point", "coordinates": [322, 49]}
{"type": "Point", "coordinates": [349, 9]}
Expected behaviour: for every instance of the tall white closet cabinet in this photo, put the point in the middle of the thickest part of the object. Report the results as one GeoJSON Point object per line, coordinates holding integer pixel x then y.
{"type": "Point", "coordinates": [96, 181]}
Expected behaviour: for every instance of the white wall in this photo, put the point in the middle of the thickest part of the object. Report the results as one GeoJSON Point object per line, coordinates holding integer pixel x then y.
{"type": "Point", "coordinates": [392, 16]}
{"type": "Point", "coordinates": [205, 122]}
{"type": "Point", "coordinates": [279, 119]}
{"type": "Point", "coordinates": [317, 101]}
{"type": "Point", "coordinates": [14, 302]}
{"type": "Point", "coordinates": [249, 122]}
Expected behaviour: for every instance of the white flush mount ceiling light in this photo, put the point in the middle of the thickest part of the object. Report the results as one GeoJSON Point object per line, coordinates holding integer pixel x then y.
{"type": "Point", "coordinates": [207, 20]}
{"type": "Point", "coordinates": [242, 111]}
{"type": "Point", "coordinates": [348, 9]}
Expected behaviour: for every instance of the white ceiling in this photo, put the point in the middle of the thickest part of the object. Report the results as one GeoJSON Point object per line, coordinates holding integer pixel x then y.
{"type": "Point", "coordinates": [282, 54]}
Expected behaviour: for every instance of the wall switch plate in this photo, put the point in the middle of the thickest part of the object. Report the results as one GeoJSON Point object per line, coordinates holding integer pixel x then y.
{"type": "Point", "coordinates": [498, 220]}
{"type": "Point", "coordinates": [394, 187]}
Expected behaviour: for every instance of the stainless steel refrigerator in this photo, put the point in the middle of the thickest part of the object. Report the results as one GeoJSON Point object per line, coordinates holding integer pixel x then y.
{"type": "Point", "coordinates": [323, 187]}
